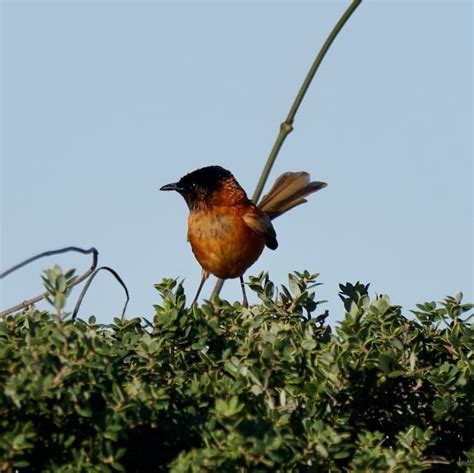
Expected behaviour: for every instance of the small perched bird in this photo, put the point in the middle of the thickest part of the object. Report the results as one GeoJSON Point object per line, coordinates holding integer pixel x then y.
{"type": "Point", "coordinates": [228, 231]}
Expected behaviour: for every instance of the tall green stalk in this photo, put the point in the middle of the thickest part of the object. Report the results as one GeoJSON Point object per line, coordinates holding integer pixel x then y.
{"type": "Point", "coordinates": [287, 126]}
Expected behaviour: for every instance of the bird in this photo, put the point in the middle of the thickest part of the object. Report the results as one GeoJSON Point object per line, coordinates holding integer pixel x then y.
{"type": "Point", "coordinates": [227, 230]}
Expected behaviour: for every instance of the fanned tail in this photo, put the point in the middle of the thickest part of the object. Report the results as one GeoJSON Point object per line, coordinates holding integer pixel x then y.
{"type": "Point", "coordinates": [289, 190]}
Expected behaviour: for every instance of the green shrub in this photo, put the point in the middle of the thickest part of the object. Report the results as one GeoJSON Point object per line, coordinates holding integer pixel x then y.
{"type": "Point", "coordinates": [224, 388]}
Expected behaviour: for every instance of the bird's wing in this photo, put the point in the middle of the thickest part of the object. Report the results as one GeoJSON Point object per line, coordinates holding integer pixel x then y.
{"type": "Point", "coordinates": [261, 223]}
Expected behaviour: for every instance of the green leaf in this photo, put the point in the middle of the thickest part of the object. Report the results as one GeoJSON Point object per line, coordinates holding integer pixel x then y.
{"type": "Point", "coordinates": [60, 283]}
{"type": "Point", "coordinates": [385, 363]}
{"type": "Point", "coordinates": [59, 301]}
{"type": "Point", "coordinates": [117, 466]}
{"type": "Point", "coordinates": [309, 345]}
{"type": "Point", "coordinates": [84, 411]}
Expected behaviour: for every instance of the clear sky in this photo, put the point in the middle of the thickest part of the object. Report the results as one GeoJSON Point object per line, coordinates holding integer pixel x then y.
{"type": "Point", "coordinates": [105, 101]}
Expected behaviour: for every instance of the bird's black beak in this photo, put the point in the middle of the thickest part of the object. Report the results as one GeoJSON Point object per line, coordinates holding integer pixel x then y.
{"type": "Point", "coordinates": [171, 187]}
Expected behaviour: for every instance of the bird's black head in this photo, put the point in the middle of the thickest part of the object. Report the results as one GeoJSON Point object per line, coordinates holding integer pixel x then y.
{"type": "Point", "coordinates": [199, 186]}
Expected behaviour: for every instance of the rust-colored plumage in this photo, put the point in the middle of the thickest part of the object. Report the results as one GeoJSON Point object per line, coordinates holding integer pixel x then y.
{"type": "Point", "coordinates": [226, 230]}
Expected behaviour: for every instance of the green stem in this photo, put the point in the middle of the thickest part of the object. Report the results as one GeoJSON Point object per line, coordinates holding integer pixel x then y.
{"type": "Point", "coordinates": [287, 126]}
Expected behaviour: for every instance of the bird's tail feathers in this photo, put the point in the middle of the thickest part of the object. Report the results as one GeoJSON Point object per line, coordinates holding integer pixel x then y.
{"type": "Point", "coordinates": [289, 190]}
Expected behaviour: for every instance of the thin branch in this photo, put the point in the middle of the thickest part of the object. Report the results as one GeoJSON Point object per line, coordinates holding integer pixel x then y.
{"type": "Point", "coordinates": [287, 126]}
{"type": "Point", "coordinates": [81, 278]}
{"type": "Point", "coordinates": [88, 283]}
{"type": "Point", "coordinates": [46, 254]}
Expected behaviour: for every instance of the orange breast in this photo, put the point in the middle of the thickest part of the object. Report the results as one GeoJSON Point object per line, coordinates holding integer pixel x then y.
{"type": "Point", "coordinates": [223, 243]}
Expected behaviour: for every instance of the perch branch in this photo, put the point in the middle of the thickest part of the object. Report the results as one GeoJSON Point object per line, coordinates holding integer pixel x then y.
{"type": "Point", "coordinates": [287, 126]}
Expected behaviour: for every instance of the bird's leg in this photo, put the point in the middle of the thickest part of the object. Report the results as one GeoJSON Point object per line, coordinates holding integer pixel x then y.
{"type": "Point", "coordinates": [245, 302]}
{"type": "Point", "coordinates": [204, 276]}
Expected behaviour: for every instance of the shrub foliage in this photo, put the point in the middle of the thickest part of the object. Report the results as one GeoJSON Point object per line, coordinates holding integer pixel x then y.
{"type": "Point", "coordinates": [224, 388]}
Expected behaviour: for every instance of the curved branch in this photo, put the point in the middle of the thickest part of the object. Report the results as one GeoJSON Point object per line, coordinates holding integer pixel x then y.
{"type": "Point", "coordinates": [88, 283]}
{"type": "Point", "coordinates": [81, 278]}
{"type": "Point", "coordinates": [287, 126]}
{"type": "Point", "coordinates": [48, 253]}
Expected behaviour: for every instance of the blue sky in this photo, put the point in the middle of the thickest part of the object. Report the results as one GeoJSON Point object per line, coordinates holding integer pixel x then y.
{"type": "Point", "coordinates": [105, 101]}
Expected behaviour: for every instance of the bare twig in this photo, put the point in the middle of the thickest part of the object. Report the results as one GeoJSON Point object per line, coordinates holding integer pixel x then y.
{"type": "Point", "coordinates": [81, 278]}
{"type": "Point", "coordinates": [46, 254]}
{"type": "Point", "coordinates": [287, 126]}
{"type": "Point", "coordinates": [88, 283]}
